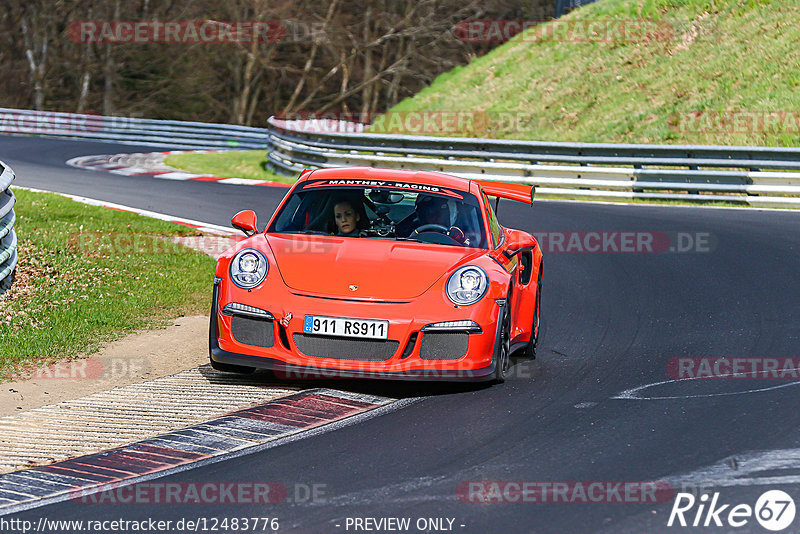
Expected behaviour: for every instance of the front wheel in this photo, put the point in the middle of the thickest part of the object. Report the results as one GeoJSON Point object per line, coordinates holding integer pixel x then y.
{"type": "Point", "coordinates": [503, 352]}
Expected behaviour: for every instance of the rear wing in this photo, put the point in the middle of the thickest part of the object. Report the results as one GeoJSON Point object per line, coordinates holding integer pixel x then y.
{"type": "Point", "coordinates": [519, 192]}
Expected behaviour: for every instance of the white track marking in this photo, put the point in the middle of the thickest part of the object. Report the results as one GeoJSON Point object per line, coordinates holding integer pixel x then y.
{"type": "Point", "coordinates": [633, 393]}
{"type": "Point", "coordinates": [129, 171]}
{"type": "Point", "coordinates": [202, 226]}
{"type": "Point", "coordinates": [176, 175]}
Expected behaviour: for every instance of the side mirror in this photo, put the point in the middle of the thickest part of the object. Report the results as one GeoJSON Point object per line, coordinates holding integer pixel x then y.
{"type": "Point", "coordinates": [520, 243]}
{"type": "Point", "coordinates": [245, 221]}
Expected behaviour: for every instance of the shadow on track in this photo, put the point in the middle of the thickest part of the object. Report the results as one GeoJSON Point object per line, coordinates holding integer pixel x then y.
{"type": "Point", "coordinates": [398, 389]}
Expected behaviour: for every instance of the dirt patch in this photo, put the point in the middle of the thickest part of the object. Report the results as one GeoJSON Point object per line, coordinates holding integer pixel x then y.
{"type": "Point", "coordinates": [135, 358]}
{"type": "Point", "coordinates": [690, 36]}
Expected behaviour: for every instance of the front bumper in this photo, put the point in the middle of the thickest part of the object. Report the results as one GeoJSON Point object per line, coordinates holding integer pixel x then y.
{"type": "Point", "coordinates": [286, 361]}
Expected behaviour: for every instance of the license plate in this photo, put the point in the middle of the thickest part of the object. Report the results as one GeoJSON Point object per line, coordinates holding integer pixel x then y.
{"type": "Point", "coordinates": [340, 326]}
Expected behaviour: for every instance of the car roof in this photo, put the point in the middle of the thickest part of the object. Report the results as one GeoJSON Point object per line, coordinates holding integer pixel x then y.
{"type": "Point", "coordinates": [372, 173]}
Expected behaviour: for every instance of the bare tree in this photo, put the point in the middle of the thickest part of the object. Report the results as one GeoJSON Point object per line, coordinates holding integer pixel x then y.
{"type": "Point", "coordinates": [340, 55]}
{"type": "Point", "coordinates": [36, 35]}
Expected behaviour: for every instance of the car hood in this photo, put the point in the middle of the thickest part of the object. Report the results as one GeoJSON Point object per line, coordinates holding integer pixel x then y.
{"type": "Point", "coordinates": [378, 269]}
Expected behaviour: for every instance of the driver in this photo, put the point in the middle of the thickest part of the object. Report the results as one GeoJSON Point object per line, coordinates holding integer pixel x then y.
{"type": "Point", "coordinates": [428, 209]}
{"type": "Point", "coordinates": [432, 210]}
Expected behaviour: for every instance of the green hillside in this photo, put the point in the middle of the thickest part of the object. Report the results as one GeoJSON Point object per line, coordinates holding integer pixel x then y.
{"type": "Point", "coordinates": [713, 72]}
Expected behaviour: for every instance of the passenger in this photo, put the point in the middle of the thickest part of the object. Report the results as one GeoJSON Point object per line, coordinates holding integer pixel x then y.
{"type": "Point", "coordinates": [346, 217]}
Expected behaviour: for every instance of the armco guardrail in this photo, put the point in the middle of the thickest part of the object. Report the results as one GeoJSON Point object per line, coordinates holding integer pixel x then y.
{"type": "Point", "coordinates": [761, 176]}
{"type": "Point", "coordinates": [148, 132]}
{"type": "Point", "coordinates": [8, 238]}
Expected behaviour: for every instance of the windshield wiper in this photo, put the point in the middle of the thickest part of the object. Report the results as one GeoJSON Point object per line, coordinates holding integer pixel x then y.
{"type": "Point", "coordinates": [306, 232]}
{"type": "Point", "coordinates": [453, 244]}
{"type": "Point", "coordinates": [412, 239]}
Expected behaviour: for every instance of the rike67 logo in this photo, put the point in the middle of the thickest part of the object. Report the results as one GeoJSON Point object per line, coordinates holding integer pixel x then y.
{"type": "Point", "coordinates": [774, 510]}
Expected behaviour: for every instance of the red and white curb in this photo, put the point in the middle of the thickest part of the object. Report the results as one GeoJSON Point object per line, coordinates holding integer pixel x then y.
{"type": "Point", "coordinates": [240, 432]}
{"type": "Point", "coordinates": [152, 164]}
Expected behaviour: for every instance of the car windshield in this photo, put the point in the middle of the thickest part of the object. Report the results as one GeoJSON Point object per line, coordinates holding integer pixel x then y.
{"type": "Point", "coordinates": [390, 210]}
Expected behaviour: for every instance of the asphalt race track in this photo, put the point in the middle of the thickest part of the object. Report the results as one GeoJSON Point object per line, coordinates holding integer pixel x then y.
{"type": "Point", "coordinates": [612, 322]}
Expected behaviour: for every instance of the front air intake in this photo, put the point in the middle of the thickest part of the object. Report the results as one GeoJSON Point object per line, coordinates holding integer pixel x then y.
{"type": "Point", "coordinates": [252, 331]}
{"type": "Point", "coordinates": [365, 350]}
{"type": "Point", "coordinates": [443, 345]}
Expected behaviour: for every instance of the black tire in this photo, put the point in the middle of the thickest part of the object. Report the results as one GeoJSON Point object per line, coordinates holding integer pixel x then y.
{"type": "Point", "coordinates": [530, 350]}
{"type": "Point", "coordinates": [503, 355]}
{"type": "Point", "coordinates": [230, 368]}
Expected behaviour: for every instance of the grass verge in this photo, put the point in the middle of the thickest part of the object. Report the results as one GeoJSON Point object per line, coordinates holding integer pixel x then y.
{"type": "Point", "coordinates": [228, 164]}
{"type": "Point", "coordinates": [89, 275]}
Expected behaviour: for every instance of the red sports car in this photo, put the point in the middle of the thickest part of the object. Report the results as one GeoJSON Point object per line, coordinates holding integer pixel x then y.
{"type": "Point", "coordinates": [376, 273]}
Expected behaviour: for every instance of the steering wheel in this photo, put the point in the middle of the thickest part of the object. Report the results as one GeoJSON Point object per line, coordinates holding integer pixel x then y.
{"type": "Point", "coordinates": [428, 227]}
{"type": "Point", "coordinates": [454, 232]}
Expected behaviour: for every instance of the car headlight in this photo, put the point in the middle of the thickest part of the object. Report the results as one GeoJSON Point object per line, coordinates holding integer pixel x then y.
{"type": "Point", "coordinates": [467, 285]}
{"type": "Point", "coordinates": [248, 268]}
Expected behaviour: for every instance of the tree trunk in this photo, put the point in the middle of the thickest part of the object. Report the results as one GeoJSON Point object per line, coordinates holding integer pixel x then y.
{"type": "Point", "coordinates": [108, 73]}
{"type": "Point", "coordinates": [84, 92]}
{"type": "Point", "coordinates": [310, 61]}
{"type": "Point", "coordinates": [366, 93]}
{"type": "Point", "coordinates": [36, 64]}
{"type": "Point", "coordinates": [243, 99]}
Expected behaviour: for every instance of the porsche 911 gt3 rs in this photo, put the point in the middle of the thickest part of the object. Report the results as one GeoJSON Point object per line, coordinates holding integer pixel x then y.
{"type": "Point", "coordinates": [376, 273]}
